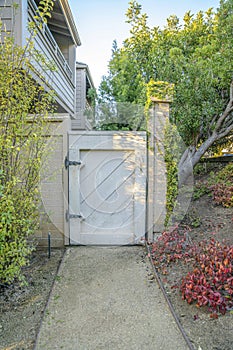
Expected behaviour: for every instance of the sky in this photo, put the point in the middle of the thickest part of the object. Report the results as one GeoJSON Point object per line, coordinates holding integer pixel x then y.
{"type": "Point", "coordinates": [100, 22]}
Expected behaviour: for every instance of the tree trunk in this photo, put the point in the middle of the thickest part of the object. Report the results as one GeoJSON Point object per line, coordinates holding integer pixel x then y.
{"type": "Point", "coordinates": [190, 158]}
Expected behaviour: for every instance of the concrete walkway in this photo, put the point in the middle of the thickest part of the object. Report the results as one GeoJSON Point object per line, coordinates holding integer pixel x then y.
{"type": "Point", "coordinates": [104, 298]}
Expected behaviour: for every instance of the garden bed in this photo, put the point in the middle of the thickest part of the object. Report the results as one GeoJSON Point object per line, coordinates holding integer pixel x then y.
{"type": "Point", "coordinates": [210, 223]}
{"type": "Point", "coordinates": [22, 307]}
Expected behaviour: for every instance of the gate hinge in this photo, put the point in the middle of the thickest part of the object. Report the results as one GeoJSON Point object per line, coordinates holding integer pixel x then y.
{"type": "Point", "coordinates": [73, 216]}
{"type": "Point", "coordinates": [71, 162]}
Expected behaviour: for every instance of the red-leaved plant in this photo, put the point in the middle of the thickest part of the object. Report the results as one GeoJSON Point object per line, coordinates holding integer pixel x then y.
{"type": "Point", "coordinates": [211, 281]}
{"type": "Point", "coordinates": [171, 246]}
{"type": "Point", "coordinates": [219, 186]}
{"type": "Point", "coordinates": [222, 194]}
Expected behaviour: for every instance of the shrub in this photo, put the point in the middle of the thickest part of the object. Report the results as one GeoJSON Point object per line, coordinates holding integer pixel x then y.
{"type": "Point", "coordinates": [210, 283]}
{"type": "Point", "coordinates": [17, 222]}
{"type": "Point", "coordinates": [170, 247]}
{"type": "Point", "coordinates": [24, 111]}
{"type": "Point", "coordinates": [222, 188]}
{"type": "Point", "coordinates": [222, 194]}
{"type": "Point", "coordinates": [219, 186]}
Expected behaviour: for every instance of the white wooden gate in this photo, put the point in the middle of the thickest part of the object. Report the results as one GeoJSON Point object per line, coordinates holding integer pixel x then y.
{"type": "Point", "coordinates": [107, 187]}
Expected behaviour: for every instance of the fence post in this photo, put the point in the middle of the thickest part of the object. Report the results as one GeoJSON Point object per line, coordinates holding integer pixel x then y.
{"type": "Point", "coordinates": [157, 187]}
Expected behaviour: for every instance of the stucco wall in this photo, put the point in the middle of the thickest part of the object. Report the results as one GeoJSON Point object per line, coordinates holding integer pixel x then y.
{"type": "Point", "coordinates": [54, 187]}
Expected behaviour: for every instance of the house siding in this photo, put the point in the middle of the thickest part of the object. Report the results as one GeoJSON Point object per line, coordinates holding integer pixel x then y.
{"type": "Point", "coordinates": [80, 99]}
{"type": "Point", "coordinates": [83, 83]}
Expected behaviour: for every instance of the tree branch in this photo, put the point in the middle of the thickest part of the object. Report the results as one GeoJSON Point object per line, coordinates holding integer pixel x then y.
{"type": "Point", "coordinates": [225, 132]}
{"type": "Point", "coordinates": [228, 110]}
{"type": "Point", "coordinates": [212, 123]}
{"type": "Point", "coordinates": [231, 91]}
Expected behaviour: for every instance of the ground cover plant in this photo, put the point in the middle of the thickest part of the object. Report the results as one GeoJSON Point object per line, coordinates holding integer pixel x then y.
{"type": "Point", "coordinates": [210, 283]}
{"type": "Point", "coordinates": [219, 186]}
{"type": "Point", "coordinates": [209, 279]}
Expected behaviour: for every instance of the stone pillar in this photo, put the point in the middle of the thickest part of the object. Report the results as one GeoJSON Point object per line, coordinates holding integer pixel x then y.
{"type": "Point", "coordinates": [157, 184]}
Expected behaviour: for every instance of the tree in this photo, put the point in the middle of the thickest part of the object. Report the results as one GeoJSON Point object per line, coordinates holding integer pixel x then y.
{"type": "Point", "coordinates": [197, 58]}
{"type": "Point", "coordinates": [24, 110]}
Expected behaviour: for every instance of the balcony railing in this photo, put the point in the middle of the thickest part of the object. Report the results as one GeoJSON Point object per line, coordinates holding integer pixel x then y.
{"type": "Point", "coordinates": [33, 11]}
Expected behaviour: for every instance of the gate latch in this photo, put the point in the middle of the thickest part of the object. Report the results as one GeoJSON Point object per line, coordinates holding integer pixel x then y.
{"type": "Point", "coordinates": [73, 216]}
{"type": "Point", "coordinates": [71, 162]}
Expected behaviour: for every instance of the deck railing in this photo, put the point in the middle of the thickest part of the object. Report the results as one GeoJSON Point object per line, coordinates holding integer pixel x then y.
{"type": "Point", "coordinates": [33, 11]}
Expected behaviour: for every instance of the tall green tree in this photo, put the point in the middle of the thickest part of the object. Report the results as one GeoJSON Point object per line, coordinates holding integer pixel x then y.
{"type": "Point", "coordinates": [195, 56]}
{"type": "Point", "coordinates": [24, 109]}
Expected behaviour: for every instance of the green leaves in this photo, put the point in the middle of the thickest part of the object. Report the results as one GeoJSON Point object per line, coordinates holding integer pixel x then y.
{"type": "Point", "coordinates": [24, 109]}
{"type": "Point", "coordinates": [196, 57]}
{"type": "Point", "coordinates": [45, 8]}
{"type": "Point", "coordinates": [15, 226]}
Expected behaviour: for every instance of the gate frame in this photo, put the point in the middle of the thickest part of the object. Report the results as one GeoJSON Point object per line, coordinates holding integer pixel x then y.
{"type": "Point", "coordinates": [118, 134]}
{"type": "Point", "coordinates": [58, 226]}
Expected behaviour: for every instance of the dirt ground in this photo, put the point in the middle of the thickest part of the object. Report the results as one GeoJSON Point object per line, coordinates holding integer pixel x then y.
{"type": "Point", "coordinates": [21, 308]}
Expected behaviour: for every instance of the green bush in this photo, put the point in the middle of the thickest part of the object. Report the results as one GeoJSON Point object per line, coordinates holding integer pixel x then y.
{"type": "Point", "coordinates": [24, 110]}
{"type": "Point", "coordinates": [17, 222]}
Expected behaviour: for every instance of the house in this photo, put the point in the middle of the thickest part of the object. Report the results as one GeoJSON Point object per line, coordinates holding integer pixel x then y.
{"type": "Point", "coordinates": [58, 41]}
{"type": "Point", "coordinates": [84, 84]}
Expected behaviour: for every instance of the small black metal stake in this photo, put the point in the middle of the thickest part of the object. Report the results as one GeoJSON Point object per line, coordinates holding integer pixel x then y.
{"type": "Point", "coordinates": [49, 245]}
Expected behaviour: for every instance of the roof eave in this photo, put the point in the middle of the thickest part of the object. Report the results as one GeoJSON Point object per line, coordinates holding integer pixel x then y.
{"type": "Point", "coordinates": [70, 21]}
{"type": "Point", "coordinates": [89, 77]}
